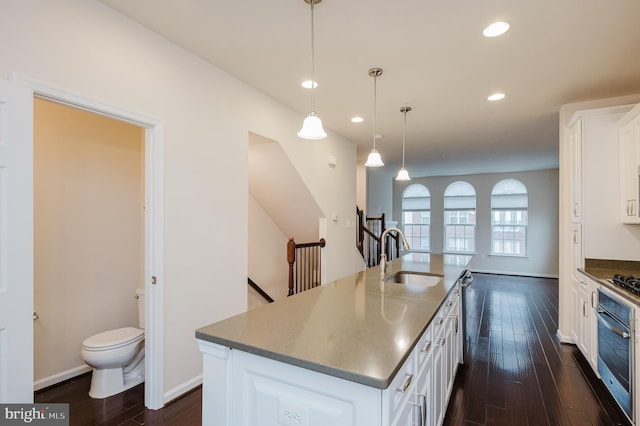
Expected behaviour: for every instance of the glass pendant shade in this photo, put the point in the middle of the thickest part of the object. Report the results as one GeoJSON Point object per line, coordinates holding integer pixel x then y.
{"type": "Point", "coordinates": [312, 128]}
{"type": "Point", "coordinates": [403, 174]}
{"type": "Point", "coordinates": [374, 159]}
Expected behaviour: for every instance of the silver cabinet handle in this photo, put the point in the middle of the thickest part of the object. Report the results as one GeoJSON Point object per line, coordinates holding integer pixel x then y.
{"type": "Point", "coordinates": [406, 384]}
{"type": "Point", "coordinates": [427, 347]}
{"type": "Point", "coordinates": [440, 342]}
{"type": "Point", "coordinates": [35, 316]}
{"type": "Point", "coordinates": [455, 326]}
{"type": "Point", "coordinates": [467, 280]}
{"type": "Point", "coordinates": [422, 409]}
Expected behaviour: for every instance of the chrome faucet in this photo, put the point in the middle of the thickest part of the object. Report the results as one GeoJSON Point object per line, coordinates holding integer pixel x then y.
{"type": "Point", "coordinates": [383, 256]}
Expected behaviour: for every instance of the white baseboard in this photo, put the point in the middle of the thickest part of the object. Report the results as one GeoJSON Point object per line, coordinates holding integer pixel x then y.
{"type": "Point", "coordinates": [565, 339]}
{"type": "Point", "coordinates": [517, 274]}
{"type": "Point", "coordinates": [182, 389]}
{"type": "Point", "coordinates": [60, 377]}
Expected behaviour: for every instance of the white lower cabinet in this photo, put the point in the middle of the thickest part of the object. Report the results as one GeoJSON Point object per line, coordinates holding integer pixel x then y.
{"type": "Point", "coordinates": [585, 318]}
{"type": "Point", "coordinates": [424, 398]}
{"type": "Point", "coordinates": [244, 389]}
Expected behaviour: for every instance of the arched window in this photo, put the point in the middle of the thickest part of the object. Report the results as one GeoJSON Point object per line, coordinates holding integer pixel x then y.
{"type": "Point", "coordinates": [460, 218]}
{"type": "Point", "coordinates": [416, 216]}
{"type": "Point", "coordinates": [509, 218]}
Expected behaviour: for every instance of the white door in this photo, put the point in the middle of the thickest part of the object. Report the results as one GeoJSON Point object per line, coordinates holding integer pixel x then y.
{"type": "Point", "coordinates": [16, 243]}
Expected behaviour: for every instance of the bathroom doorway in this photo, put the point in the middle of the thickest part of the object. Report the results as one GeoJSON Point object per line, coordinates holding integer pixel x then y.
{"type": "Point", "coordinates": [88, 233]}
{"type": "Point", "coordinates": [149, 245]}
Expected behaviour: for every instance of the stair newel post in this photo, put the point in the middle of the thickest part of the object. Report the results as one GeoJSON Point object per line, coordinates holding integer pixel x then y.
{"type": "Point", "coordinates": [291, 259]}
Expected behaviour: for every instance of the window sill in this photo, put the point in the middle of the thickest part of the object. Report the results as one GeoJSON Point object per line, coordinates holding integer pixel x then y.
{"type": "Point", "coordinates": [472, 253]}
{"type": "Point", "coordinates": [510, 256]}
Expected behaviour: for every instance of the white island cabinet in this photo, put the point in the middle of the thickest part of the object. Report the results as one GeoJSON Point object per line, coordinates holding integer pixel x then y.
{"type": "Point", "coordinates": [361, 351]}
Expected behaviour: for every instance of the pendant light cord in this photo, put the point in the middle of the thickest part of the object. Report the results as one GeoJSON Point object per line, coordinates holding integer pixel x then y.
{"type": "Point", "coordinates": [375, 102]}
{"type": "Point", "coordinates": [404, 131]}
{"type": "Point", "coordinates": [313, 57]}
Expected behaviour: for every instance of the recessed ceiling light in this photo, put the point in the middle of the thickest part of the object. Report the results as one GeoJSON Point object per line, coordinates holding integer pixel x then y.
{"type": "Point", "coordinates": [495, 29]}
{"type": "Point", "coordinates": [307, 84]}
{"type": "Point", "coordinates": [357, 119]}
{"type": "Point", "coordinates": [496, 96]}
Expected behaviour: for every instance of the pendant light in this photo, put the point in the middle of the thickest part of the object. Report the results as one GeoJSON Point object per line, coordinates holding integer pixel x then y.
{"type": "Point", "coordinates": [374, 159]}
{"type": "Point", "coordinates": [312, 126]}
{"type": "Point", "coordinates": [403, 174]}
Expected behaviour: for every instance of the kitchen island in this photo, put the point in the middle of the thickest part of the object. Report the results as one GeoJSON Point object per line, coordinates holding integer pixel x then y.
{"type": "Point", "coordinates": [362, 350]}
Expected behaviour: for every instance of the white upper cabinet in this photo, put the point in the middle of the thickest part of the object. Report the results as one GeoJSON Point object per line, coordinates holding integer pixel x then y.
{"type": "Point", "coordinates": [629, 145]}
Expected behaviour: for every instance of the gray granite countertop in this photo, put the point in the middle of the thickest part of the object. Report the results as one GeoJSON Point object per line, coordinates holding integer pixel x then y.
{"type": "Point", "coordinates": [358, 328]}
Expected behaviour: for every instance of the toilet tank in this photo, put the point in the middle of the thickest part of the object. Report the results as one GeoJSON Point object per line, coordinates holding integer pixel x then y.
{"type": "Point", "coordinates": [140, 297]}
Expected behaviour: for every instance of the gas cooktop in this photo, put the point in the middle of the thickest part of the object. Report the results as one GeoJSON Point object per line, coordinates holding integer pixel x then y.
{"type": "Point", "coordinates": [628, 282]}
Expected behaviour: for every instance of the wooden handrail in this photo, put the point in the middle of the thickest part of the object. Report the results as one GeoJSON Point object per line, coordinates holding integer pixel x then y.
{"type": "Point", "coordinates": [306, 273]}
{"type": "Point", "coordinates": [260, 291]}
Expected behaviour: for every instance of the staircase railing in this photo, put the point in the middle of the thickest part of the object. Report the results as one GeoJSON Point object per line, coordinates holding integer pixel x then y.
{"type": "Point", "coordinates": [368, 239]}
{"type": "Point", "coordinates": [259, 289]}
{"type": "Point", "coordinates": [304, 265]}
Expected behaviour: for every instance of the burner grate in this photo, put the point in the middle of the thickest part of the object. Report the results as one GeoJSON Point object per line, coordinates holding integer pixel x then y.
{"type": "Point", "coordinates": [628, 282]}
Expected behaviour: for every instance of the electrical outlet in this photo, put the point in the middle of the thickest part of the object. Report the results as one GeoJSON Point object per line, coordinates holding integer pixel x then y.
{"type": "Point", "coordinates": [292, 415]}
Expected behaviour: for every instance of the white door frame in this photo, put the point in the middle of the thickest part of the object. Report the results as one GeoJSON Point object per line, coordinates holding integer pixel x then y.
{"type": "Point", "coordinates": [154, 224]}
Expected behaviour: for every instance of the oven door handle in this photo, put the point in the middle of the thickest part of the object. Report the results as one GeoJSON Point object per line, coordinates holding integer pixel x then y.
{"type": "Point", "coordinates": [603, 315]}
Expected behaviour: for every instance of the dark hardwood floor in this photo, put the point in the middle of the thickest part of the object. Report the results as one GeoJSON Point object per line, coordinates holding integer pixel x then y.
{"type": "Point", "coordinates": [126, 408]}
{"type": "Point", "coordinates": [515, 372]}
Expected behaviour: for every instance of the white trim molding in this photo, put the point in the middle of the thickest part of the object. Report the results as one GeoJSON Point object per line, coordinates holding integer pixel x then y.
{"type": "Point", "coordinates": [154, 222]}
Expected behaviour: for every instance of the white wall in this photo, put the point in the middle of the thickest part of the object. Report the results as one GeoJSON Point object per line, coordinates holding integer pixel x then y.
{"type": "Point", "coordinates": [89, 232]}
{"type": "Point", "coordinates": [380, 192]}
{"type": "Point", "coordinates": [85, 47]}
{"type": "Point", "coordinates": [268, 265]}
{"type": "Point", "coordinates": [542, 230]}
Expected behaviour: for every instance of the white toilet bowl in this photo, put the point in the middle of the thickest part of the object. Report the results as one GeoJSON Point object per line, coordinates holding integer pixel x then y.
{"type": "Point", "coordinates": [117, 358]}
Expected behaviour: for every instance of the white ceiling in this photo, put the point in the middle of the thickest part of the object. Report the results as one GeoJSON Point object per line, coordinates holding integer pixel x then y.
{"type": "Point", "coordinates": [434, 59]}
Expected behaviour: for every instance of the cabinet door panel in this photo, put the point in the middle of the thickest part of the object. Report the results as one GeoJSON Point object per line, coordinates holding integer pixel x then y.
{"type": "Point", "coordinates": [408, 416]}
{"type": "Point", "coordinates": [575, 158]}
{"type": "Point", "coordinates": [629, 147]}
{"type": "Point", "coordinates": [266, 392]}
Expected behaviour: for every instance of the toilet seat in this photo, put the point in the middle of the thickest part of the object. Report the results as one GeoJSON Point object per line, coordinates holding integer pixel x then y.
{"type": "Point", "coordinates": [113, 339]}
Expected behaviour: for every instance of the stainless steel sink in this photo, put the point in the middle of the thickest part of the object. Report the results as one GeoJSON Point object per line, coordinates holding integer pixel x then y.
{"type": "Point", "coordinates": [423, 279]}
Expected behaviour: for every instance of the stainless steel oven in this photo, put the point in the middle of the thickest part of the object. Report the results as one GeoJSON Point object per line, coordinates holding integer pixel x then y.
{"type": "Point", "coordinates": [615, 348]}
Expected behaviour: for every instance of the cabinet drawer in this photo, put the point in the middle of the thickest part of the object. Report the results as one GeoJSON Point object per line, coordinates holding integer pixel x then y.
{"type": "Point", "coordinates": [424, 348]}
{"type": "Point", "coordinates": [450, 304]}
{"type": "Point", "coordinates": [402, 386]}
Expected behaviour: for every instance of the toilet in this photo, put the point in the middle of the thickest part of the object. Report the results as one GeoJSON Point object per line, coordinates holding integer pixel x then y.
{"type": "Point", "coordinates": [117, 357]}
